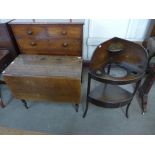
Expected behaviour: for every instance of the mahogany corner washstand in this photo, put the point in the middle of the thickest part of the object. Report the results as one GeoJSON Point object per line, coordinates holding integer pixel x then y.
{"type": "Point", "coordinates": [130, 57]}
{"type": "Point", "coordinates": [42, 77]}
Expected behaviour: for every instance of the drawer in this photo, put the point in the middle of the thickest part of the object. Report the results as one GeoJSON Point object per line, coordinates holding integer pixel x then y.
{"type": "Point", "coordinates": [47, 31]}
{"type": "Point", "coordinates": [51, 46]}
{"type": "Point", "coordinates": [65, 31]}
{"type": "Point", "coordinates": [33, 44]}
{"type": "Point", "coordinates": [56, 52]}
{"type": "Point", "coordinates": [29, 31]}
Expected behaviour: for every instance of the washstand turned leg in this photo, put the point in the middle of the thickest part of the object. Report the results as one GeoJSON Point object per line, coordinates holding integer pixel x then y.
{"type": "Point", "coordinates": [143, 98]}
{"type": "Point", "coordinates": [136, 88]}
{"type": "Point", "coordinates": [85, 112]}
{"type": "Point", "coordinates": [88, 91]}
{"type": "Point", "coordinates": [127, 110]}
{"type": "Point", "coordinates": [25, 103]}
{"type": "Point", "coordinates": [144, 103]}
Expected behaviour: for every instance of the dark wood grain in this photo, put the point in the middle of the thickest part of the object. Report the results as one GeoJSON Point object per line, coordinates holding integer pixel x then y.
{"type": "Point", "coordinates": [133, 58]}
{"type": "Point", "coordinates": [45, 31]}
{"type": "Point", "coordinates": [55, 39]}
{"type": "Point", "coordinates": [54, 78]}
{"type": "Point", "coordinates": [51, 46]}
{"type": "Point", "coordinates": [123, 54]}
{"type": "Point", "coordinates": [103, 93]}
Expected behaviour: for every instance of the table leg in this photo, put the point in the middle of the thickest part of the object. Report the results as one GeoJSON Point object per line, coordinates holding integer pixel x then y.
{"type": "Point", "coordinates": [82, 74]}
{"type": "Point", "coordinates": [76, 107]}
{"type": "Point", "coordinates": [109, 67]}
{"type": "Point", "coordinates": [88, 91]}
{"type": "Point", "coordinates": [85, 112]}
{"type": "Point", "coordinates": [25, 103]}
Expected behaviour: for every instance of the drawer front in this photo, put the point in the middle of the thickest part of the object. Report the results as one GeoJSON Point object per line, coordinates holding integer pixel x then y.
{"type": "Point", "coordinates": [65, 31]}
{"type": "Point", "coordinates": [51, 46]}
{"type": "Point", "coordinates": [46, 31]}
{"type": "Point", "coordinates": [57, 39]}
{"type": "Point", "coordinates": [23, 31]}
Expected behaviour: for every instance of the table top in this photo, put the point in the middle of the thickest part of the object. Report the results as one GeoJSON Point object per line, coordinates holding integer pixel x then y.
{"type": "Point", "coordinates": [48, 21]}
{"type": "Point", "coordinates": [44, 65]}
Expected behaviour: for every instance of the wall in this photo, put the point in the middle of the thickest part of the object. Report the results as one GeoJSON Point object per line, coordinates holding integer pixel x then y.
{"type": "Point", "coordinates": [101, 30]}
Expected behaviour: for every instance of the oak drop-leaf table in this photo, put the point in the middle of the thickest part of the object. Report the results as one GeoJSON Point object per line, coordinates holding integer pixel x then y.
{"type": "Point", "coordinates": [44, 77]}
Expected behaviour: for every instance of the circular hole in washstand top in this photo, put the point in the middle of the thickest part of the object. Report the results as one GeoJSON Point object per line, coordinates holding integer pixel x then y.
{"type": "Point", "coordinates": [117, 72]}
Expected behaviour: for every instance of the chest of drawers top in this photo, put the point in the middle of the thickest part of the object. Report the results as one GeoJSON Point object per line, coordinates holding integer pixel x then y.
{"type": "Point", "coordinates": [49, 38]}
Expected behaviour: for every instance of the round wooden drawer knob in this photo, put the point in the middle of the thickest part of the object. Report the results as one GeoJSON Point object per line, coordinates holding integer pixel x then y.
{"type": "Point", "coordinates": [33, 43]}
{"type": "Point", "coordinates": [29, 32]}
{"type": "Point", "coordinates": [65, 44]}
{"type": "Point", "coordinates": [64, 32]}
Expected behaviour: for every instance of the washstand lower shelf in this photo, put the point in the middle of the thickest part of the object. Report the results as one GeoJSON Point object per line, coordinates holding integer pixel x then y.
{"type": "Point", "coordinates": [109, 96]}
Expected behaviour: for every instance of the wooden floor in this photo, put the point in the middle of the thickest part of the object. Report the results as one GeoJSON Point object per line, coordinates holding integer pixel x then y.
{"type": "Point", "coordinates": [10, 131]}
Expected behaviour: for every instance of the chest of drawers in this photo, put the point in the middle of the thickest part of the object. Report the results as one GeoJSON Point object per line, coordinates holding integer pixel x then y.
{"type": "Point", "coordinates": [49, 38]}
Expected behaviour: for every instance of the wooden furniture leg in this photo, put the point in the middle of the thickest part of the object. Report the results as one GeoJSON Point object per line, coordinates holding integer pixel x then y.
{"type": "Point", "coordinates": [1, 102]}
{"type": "Point", "coordinates": [144, 90]}
{"type": "Point", "coordinates": [77, 107]}
{"type": "Point", "coordinates": [25, 104]}
{"type": "Point", "coordinates": [88, 91]}
{"type": "Point", "coordinates": [136, 88]}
